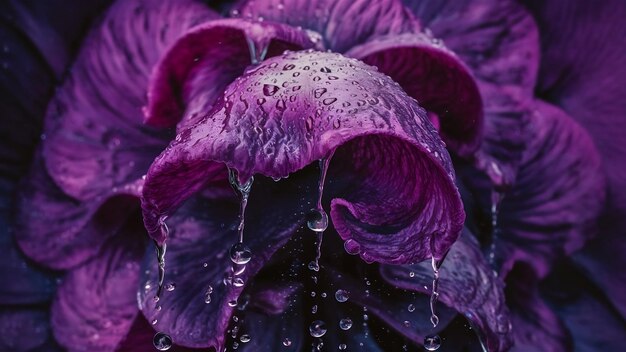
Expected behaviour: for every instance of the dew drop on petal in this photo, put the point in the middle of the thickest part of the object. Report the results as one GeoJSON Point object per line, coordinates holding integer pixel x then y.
{"type": "Point", "coordinates": [317, 328]}
{"type": "Point", "coordinates": [342, 347]}
{"type": "Point", "coordinates": [341, 295]}
{"type": "Point", "coordinates": [345, 323]}
{"type": "Point", "coordinates": [170, 287]}
{"type": "Point", "coordinates": [245, 338]}
{"type": "Point", "coordinates": [162, 341]}
{"type": "Point", "coordinates": [286, 342]}
{"type": "Point", "coordinates": [240, 254]}
{"type": "Point", "coordinates": [317, 220]}
{"type": "Point", "coordinates": [411, 308]}
{"type": "Point", "coordinates": [270, 89]}
{"type": "Point", "coordinates": [432, 342]}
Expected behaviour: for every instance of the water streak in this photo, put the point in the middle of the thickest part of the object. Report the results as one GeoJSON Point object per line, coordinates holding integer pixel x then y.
{"type": "Point", "coordinates": [496, 199]}
{"type": "Point", "coordinates": [160, 251]}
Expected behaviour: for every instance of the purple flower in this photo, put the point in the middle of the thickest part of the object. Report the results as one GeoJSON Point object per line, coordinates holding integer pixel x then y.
{"type": "Point", "coordinates": [477, 132]}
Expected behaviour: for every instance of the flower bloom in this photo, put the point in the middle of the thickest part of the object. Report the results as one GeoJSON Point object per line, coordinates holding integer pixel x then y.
{"type": "Point", "coordinates": [423, 119]}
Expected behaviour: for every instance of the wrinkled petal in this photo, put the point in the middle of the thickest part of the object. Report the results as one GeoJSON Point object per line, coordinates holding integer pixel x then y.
{"type": "Point", "coordinates": [434, 76]}
{"type": "Point", "coordinates": [194, 72]}
{"type": "Point", "coordinates": [57, 231]}
{"type": "Point", "coordinates": [295, 109]}
{"type": "Point", "coordinates": [535, 326]}
{"type": "Point", "coordinates": [342, 24]}
{"type": "Point", "coordinates": [202, 231]}
{"type": "Point", "coordinates": [589, 86]}
{"type": "Point", "coordinates": [497, 39]}
{"type": "Point", "coordinates": [467, 285]}
{"type": "Point", "coordinates": [96, 303]}
{"type": "Point", "coordinates": [552, 208]}
{"type": "Point", "coordinates": [24, 329]}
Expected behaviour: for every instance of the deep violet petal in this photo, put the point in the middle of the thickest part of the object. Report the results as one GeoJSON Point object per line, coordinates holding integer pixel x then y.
{"type": "Point", "coordinates": [295, 109]}
{"type": "Point", "coordinates": [589, 85]}
{"type": "Point", "coordinates": [434, 76]}
{"type": "Point", "coordinates": [553, 207]}
{"type": "Point", "coordinates": [55, 230]}
{"type": "Point", "coordinates": [202, 231]}
{"type": "Point", "coordinates": [139, 339]}
{"type": "Point", "coordinates": [95, 139]}
{"type": "Point", "coordinates": [467, 285]}
{"type": "Point", "coordinates": [498, 39]}
{"type": "Point", "coordinates": [96, 302]}
{"type": "Point", "coordinates": [199, 66]}
{"type": "Point", "coordinates": [342, 24]}
{"type": "Point", "coordinates": [24, 329]}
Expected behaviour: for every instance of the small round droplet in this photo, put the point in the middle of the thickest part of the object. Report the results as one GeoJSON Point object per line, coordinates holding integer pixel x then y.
{"type": "Point", "coordinates": [342, 347]}
{"type": "Point", "coordinates": [352, 247]}
{"type": "Point", "coordinates": [341, 295]}
{"type": "Point", "coordinates": [232, 303]}
{"type": "Point", "coordinates": [170, 287]}
{"type": "Point", "coordinates": [325, 70]}
{"type": "Point", "coordinates": [407, 323]}
{"type": "Point", "coordinates": [317, 220]}
{"type": "Point", "coordinates": [245, 338]}
{"type": "Point", "coordinates": [240, 254]}
{"type": "Point", "coordinates": [329, 101]}
{"type": "Point", "coordinates": [289, 67]}
{"type": "Point", "coordinates": [317, 328]}
{"type": "Point", "coordinates": [411, 308]}
{"type": "Point", "coordinates": [411, 274]}
{"type": "Point", "coordinates": [432, 342]}
{"type": "Point", "coordinates": [286, 342]}
{"type": "Point", "coordinates": [319, 92]}
{"type": "Point", "coordinates": [345, 323]}
{"type": "Point", "coordinates": [270, 89]}
{"type": "Point", "coordinates": [238, 282]}
{"type": "Point", "coordinates": [162, 341]}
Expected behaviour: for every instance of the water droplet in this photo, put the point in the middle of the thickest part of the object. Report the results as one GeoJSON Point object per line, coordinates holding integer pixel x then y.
{"type": "Point", "coordinates": [309, 123]}
{"type": "Point", "coordinates": [314, 309]}
{"type": "Point", "coordinates": [154, 321]}
{"type": "Point", "coordinates": [162, 341]}
{"type": "Point", "coordinates": [345, 324]}
{"type": "Point", "coordinates": [407, 323]}
{"type": "Point", "coordinates": [286, 342]}
{"type": "Point", "coordinates": [280, 105]}
{"type": "Point", "coordinates": [170, 287]}
{"type": "Point", "coordinates": [411, 308]}
{"type": "Point", "coordinates": [432, 342]}
{"type": "Point", "coordinates": [245, 338]}
{"type": "Point", "coordinates": [270, 89]}
{"type": "Point", "coordinates": [336, 123]}
{"type": "Point", "coordinates": [240, 254]}
{"type": "Point", "coordinates": [260, 101]}
{"type": "Point", "coordinates": [232, 303]}
{"type": "Point", "coordinates": [288, 67]}
{"type": "Point", "coordinates": [329, 101]}
{"type": "Point", "coordinates": [314, 266]}
{"type": "Point", "coordinates": [317, 220]}
{"type": "Point", "coordinates": [352, 247]}
{"type": "Point", "coordinates": [238, 282]}
{"type": "Point", "coordinates": [333, 78]}
{"type": "Point", "coordinates": [341, 295]}
{"type": "Point", "coordinates": [319, 92]}
{"type": "Point", "coordinates": [325, 70]}
{"type": "Point", "coordinates": [411, 274]}
{"type": "Point", "coordinates": [317, 328]}
{"type": "Point", "coordinates": [342, 346]}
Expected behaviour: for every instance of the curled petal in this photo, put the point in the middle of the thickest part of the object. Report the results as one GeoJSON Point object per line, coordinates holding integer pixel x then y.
{"type": "Point", "coordinates": [96, 303]}
{"type": "Point", "coordinates": [434, 76]}
{"type": "Point", "coordinates": [498, 39]}
{"type": "Point", "coordinates": [197, 68]}
{"type": "Point", "coordinates": [467, 284]}
{"type": "Point", "coordinates": [295, 109]}
{"type": "Point", "coordinates": [342, 24]}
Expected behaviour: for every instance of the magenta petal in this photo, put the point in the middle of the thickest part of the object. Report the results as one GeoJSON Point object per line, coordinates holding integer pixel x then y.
{"type": "Point", "coordinates": [96, 303]}
{"type": "Point", "coordinates": [342, 24]}
{"type": "Point", "coordinates": [434, 76]}
{"type": "Point", "coordinates": [197, 68]}
{"type": "Point", "coordinates": [94, 137]}
{"type": "Point", "coordinates": [497, 39]}
{"type": "Point", "coordinates": [295, 109]}
{"type": "Point", "coordinates": [467, 285]}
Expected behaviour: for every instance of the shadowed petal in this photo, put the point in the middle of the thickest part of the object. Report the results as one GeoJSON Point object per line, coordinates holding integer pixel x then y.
{"type": "Point", "coordinates": [295, 109]}
{"type": "Point", "coordinates": [434, 76]}
{"type": "Point", "coordinates": [342, 24]}
{"type": "Point", "coordinates": [24, 329]}
{"type": "Point", "coordinates": [497, 39]}
{"type": "Point", "coordinates": [467, 284]}
{"type": "Point", "coordinates": [205, 60]}
{"type": "Point", "coordinates": [96, 303]}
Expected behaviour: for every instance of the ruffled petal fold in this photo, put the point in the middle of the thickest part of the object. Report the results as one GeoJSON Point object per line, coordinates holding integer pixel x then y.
{"type": "Point", "coordinates": [294, 109]}
{"type": "Point", "coordinates": [342, 24]}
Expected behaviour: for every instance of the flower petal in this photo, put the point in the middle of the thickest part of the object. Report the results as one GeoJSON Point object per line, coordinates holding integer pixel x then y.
{"type": "Point", "coordinates": [552, 208]}
{"type": "Point", "coordinates": [95, 304]}
{"type": "Point", "coordinates": [202, 231]}
{"type": "Point", "coordinates": [198, 67]}
{"type": "Point", "coordinates": [140, 336]}
{"type": "Point", "coordinates": [24, 329]}
{"type": "Point", "coordinates": [295, 109]}
{"type": "Point", "coordinates": [467, 285]}
{"type": "Point", "coordinates": [342, 23]}
{"type": "Point", "coordinates": [497, 39]}
{"type": "Point", "coordinates": [434, 76]}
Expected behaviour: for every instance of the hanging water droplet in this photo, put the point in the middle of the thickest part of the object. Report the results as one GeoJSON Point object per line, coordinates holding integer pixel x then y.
{"type": "Point", "coordinates": [411, 308]}
{"type": "Point", "coordinates": [162, 341]}
{"type": "Point", "coordinates": [232, 303]}
{"type": "Point", "coordinates": [345, 324]}
{"type": "Point", "coordinates": [270, 89]}
{"type": "Point", "coordinates": [238, 282]}
{"type": "Point", "coordinates": [314, 309]}
{"type": "Point", "coordinates": [342, 346]}
{"type": "Point", "coordinates": [240, 254]}
{"type": "Point", "coordinates": [235, 345]}
{"type": "Point", "coordinates": [352, 247]}
{"type": "Point", "coordinates": [317, 220]}
{"type": "Point", "coordinates": [341, 295]}
{"type": "Point", "coordinates": [286, 342]}
{"type": "Point", "coordinates": [432, 342]}
{"type": "Point", "coordinates": [314, 266]}
{"type": "Point", "coordinates": [245, 338]}
{"type": "Point", "coordinates": [317, 328]}
{"type": "Point", "coordinates": [170, 287]}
